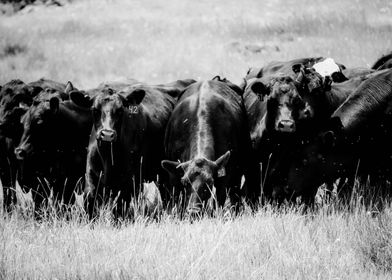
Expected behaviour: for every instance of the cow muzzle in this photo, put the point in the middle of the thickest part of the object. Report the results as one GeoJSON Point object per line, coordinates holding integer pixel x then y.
{"type": "Point", "coordinates": [286, 126]}
{"type": "Point", "coordinates": [107, 135]}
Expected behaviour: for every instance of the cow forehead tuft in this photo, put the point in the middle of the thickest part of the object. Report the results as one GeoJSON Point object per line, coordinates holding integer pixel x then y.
{"type": "Point", "coordinates": [106, 97]}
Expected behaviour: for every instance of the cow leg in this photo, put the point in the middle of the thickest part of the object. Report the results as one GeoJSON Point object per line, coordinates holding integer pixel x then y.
{"type": "Point", "coordinates": [220, 194]}
{"type": "Point", "coordinates": [7, 172]}
{"type": "Point", "coordinates": [94, 170]}
{"type": "Point", "coordinates": [345, 189]}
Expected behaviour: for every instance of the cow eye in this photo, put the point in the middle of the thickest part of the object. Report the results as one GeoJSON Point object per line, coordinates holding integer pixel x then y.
{"type": "Point", "coordinates": [96, 112]}
{"type": "Point", "coordinates": [297, 102]}
{"type": "Point", "coordinates": [40, 121]}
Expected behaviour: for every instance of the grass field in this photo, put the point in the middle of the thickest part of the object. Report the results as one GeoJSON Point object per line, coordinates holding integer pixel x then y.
{"type": "Point", "coordinates": [157, 41]}
{"type": "Point", "coordinates": [92, 41]}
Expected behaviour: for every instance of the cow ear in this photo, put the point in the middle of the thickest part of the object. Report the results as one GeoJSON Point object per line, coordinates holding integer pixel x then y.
{"type": "Point", "coordinates": [259, 89]}
{"type": "Point", "coordinates": [136, 96]}
{"type": "Point", "coordinates": [338, 77]}
{"type": "Point", "coordinates": [81, 99]}
{"type": "Point", "coordinates": [297, 68]}
{"type": "Point", "coordinates": [222, 160]}
{"type": "Point", "coordinates": [54, 103]}
{"type": "Point", "coordinates": [68, 88]}
{"type": "Point", "coordinates": [36, 90]}
{"type": "Point", "coordinates": [221, 163]}
{"type": "Point", "coordinates": [170, 166]}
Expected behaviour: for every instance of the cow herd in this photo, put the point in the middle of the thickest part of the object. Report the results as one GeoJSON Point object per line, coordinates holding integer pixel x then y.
{"type": "Point", "coordinates": [289, 128]}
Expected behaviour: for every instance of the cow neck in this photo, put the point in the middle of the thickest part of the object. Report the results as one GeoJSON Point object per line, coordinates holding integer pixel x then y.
{"type": "Point", "coordinates": [203, 142]}
{"type": "Point", "coordinates": [73, 123]}
{"type": "Point", "coordinates": [335, 97]}
{"type": "Point", "coordinates": [370, 99]}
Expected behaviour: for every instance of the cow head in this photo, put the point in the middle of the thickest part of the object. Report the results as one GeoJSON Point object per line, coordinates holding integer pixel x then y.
{"type": "Point", "coordinates": [16, 97]}
{"type": "Point", "coordinates": [328, 68]}
{"type": "Point", "coordinates": [197, 176]}
{"type": "Point", "coordinates": [284, 103]}
{"type": "Point", "coordinates": [312, 87]}
{"type": "Point", "coordinates": [108, 109]}
{"type": "Point", "coordinates": [16, 100]}
{"type": "Point", "coordinates": [38, 122]}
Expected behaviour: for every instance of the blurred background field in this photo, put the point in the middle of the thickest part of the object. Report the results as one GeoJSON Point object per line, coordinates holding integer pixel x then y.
{"type": "Point", "coordinates": [91, 41]}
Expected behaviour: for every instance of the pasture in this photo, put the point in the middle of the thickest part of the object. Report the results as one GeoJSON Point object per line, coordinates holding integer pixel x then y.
{"type": "Point", "coordinates": [88, 42]}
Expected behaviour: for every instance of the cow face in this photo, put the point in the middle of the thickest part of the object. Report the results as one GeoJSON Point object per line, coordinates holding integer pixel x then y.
{"type": "Point", "coordinates": [328, 68]}
{"type": "Point", "coordinates": [197, 176]}
{"type": "Point", "coordinates": [38, 128]}
{"type": "Point", "coordinates": [108, 110]}
{"type": "Point", "coordinates": [16, 97]}
{"type": "Point", "coordinates": [284, 103]}
{"type": "Point", "coordinates": [312, 87]}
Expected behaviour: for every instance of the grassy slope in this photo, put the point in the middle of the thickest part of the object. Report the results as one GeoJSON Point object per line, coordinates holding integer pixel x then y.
{"type": "Point", "coordinates": [92, 41]}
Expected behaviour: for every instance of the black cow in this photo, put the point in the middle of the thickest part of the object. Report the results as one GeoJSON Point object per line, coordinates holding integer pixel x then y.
{"type": "Point", "coordinates": [126, 143]}
{"type": "Point", "coordinates": [350, 73]}
{"type": "Point", "coordinates": [207, 144]}
{"type": "Point", "coordinates": [356, 141]}
{"type": "Point", "coordinates": [285, 67]}
{"type": "Point", "coordinates": [384, 62]}
{"type": "Point", "coordinates": [322, 96]}
{"type": "Point", "coordinates": [53, 144]}
{"type": "Point", "coordinates": [16, 97]}
{"type": "Point", "coordinates": [289, 111]}
{"type": "Point", "coordinates": [274, 107]}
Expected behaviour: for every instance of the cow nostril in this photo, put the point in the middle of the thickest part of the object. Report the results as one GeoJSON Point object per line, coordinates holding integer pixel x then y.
{"type": "Point", "coordinates": [107, 135]}
{"type": "Point", "coordinates": [286, 125]}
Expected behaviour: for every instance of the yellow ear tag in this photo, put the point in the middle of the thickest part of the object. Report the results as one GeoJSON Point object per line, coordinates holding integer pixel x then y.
{"type": "Point", "coordinates": [221, 172]}
{"type": "Point", "coordinates": [133, 109]}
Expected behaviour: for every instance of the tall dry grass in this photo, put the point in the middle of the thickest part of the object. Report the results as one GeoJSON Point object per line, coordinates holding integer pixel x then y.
{"type": "Point", "coordinates": [286, 243]}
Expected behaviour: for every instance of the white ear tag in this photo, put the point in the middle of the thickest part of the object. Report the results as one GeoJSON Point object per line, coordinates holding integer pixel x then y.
{"type": "Point", "coordinates": [221, 172]}
{"type": "Point", "coordinates": [133, 109]}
